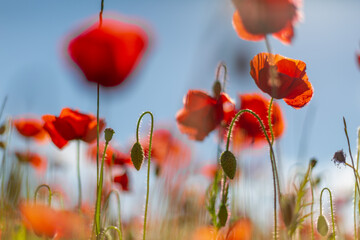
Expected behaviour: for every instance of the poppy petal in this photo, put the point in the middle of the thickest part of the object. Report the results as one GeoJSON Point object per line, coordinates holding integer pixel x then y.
{"type": "Point", "coordinates": [241, 30]}
{"type": "Point", "coordinates": [49, 126]}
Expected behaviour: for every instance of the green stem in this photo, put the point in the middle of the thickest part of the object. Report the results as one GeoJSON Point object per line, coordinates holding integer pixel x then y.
{"type": "Point", "coordinates": [99, 191]}
{"type": "Point", "coordinates": [272, 158]}
{"type": "Point", "coordinates": [117, 194]}
{"type": "Point", "coordinates": [269, 120]}
{"type": "Point", "coordinates": [312, 205]}
{"type": "Point", "coordinates": [148, 169]}
{"type": "Point", "coordinates": [27, 183]}
{"type": "Point", "coordinates": [101, 13]}
{"type": "Point", "coordinates": [78, 175]}
{"type": "Point", "coordinates": [49, 192]}
{"type": "Point", "coordinates": [220, 66]}
{"type": "Point", "coordinates": [114, 228]}
{"type": "Point", "coordinates": [351, 157]}
{"type": "Point", "coordinates": [355, 189]}
{"type": "Point", "coordinates": [331, 207]}
{"type": "Point", "coordinates": [97, 133]}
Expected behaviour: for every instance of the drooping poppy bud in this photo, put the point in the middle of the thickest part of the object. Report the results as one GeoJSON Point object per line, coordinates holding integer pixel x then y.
{"type": "Point", "coordinates": [137, 155]}
{"type": "Point", "coordinates": [222, 215]}
{"type": "Point", "coordinates": [228, 163]}
{"type": "Point", "coordinates": [322, 226]}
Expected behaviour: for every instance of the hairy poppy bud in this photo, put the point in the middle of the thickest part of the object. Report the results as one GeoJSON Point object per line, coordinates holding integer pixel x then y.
{"type": "Point", "coordinates": [313, 162]}
{"type": "Point", "coordinates": [137, 155]}
{"type": "Point", "coordinates": [222, 215]}
{"type": "Point", "coordinates": [216, 89]}
{"type": "Point", "coordinates": [322, 226]}
{"type": "Point", "coordinates": [109, 132]}
{"type": "Point", "coordinates": [287, 206]}
{"type": "Point", "coordinates": [228, 163]}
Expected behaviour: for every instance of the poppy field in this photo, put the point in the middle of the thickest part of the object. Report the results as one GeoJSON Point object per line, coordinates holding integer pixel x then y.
{"type": "Point", "coordinates": [204, 120]}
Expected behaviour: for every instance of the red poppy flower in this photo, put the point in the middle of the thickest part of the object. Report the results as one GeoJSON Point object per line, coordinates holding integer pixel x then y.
{"type": "Point", "coordinates": [51, 223]}
{"type": "Point", "coordinates": [282, 78]}
{"type": "Point", "coordinates": [112, 154]}
{"type": "Point", "coordinates": [123, 180]}
{"type": "Point", "coordinates": [201, 113]}
{"type": "Point", "coordinates": [253, 19]}
{"type": "Point", "coordinates": [71, 125]}
{"type": "Point", "coordinates": [36, 160]}
{"type": "Point", "coordinates": [108, 54]}
{"type": "Point", "coordinates": [30, 128]}
{"type": "Point", "coordinates": [358, 58]}
{"type": "Point", "coordinates": [247, 130]}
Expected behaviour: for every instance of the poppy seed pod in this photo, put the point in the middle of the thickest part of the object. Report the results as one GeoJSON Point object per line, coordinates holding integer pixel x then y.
{"type": "Point", "coordinates": [228, 163]}
{"type": "Point", "coordinates": [322, 226]}
{"type": "Point", "coordinates": [109, 132]}
{"type": "Point", "coordinates": [137, 155]}
{"type": "Point", "coordinates": [216, 89]}
{"type": "Point", "coordinates": [222, 215]}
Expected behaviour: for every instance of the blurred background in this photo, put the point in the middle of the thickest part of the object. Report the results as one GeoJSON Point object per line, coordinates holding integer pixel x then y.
{"type": "Point", "coordinates": [187, 41]}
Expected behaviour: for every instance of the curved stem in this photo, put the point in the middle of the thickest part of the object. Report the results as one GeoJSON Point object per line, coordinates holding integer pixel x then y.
{"type": "Point", "coordinates": [148, 169]}
{"type": "Point", "coordinates": [99, 191]}
{"type": "Point", "coordinates": [220, 66]}
{"type": "Point", "coordinates": [272, 159]}
{"type": "Point", "coordinates": [78, 175]}
{"type": "Point", "coordinates": [331, 207]}
{"type": "Point", "coordinates": [117, 194]}
{"type": "Point", "coordinates": [49, 192]}
{"type": "Point", "coordinates": [352, 160]}
{"type": "Point", "coordinates": [114, 228]}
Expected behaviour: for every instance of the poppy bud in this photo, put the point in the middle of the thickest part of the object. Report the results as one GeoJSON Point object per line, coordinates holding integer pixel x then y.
{"type": "Point", "coordinates": [222, 215]}
{"type": "Point", "coordinates": [287, 206]}
{"type": "Point", "coordinates": [313, 162]}
{"type": "Point", "coordinates": [216, 89]}
{"type": "Point", "coordinates": [109, 132]}
{"type": "Point", "coordinates": [2, 145]}
{"type": "Point", "coordinates": [228, 163]}
{"type": "Point", "coordinates": [322, 226]}
{"type": "Point", "coordinates": [137, 155]}
{"type": "Point", "coordinates": [2, 129]}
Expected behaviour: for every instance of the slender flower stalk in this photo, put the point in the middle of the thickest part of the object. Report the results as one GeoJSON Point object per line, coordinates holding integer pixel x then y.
{"type": "Point", "coordinates": [78, 175]}
{"type": "Point", "coordinates": [108, 136]}
{"type": "Point", "coordinates": [312, 205]}
{"type": "Point", "coordinates": [106, 204]}
{"type": "Point", "coordinates": [50, 194]}
{"type": "Point", "coordinates": [137, 157]}
{"type": "Point", "coordinates": [272, 157]}
{"type": "Point", "coordinates": [331, 207]}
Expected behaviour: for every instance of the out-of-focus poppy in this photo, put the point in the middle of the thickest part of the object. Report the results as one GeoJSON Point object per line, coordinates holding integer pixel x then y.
{"type": "Point", "coordinates": [36, 160]}
{"type": "Point", "coordinates": [247, 129]}
{"type": "Point", "coordinates": [30, 128]}
{"type": "Point", "coordinates": [358, 59]}
{"type": "Point", "coordinates": [111, 155]}
{"type": "Point", "coordinates": [205, 233]}
{"type": "Point", "coordinates": [282, 78]}
{"type": "Point", "coordinates": [202, 113]}
{"type": "Point", "coordinates": [253, 19]}
{"type": "Point", "coordinates": [166, 150]}
{"type": "Point", "coordinates": [71, 125]}
{"type": "Point", "coordinates": [209, 170]}
{"type": "Point", "coordinates": [240, 230]}
{"type": "Point", "coordinates": [123, 181]}
{"type": "Point", "coordinates": [109, 53]}
{"type": "Point", "coordinates": [51, 223]}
